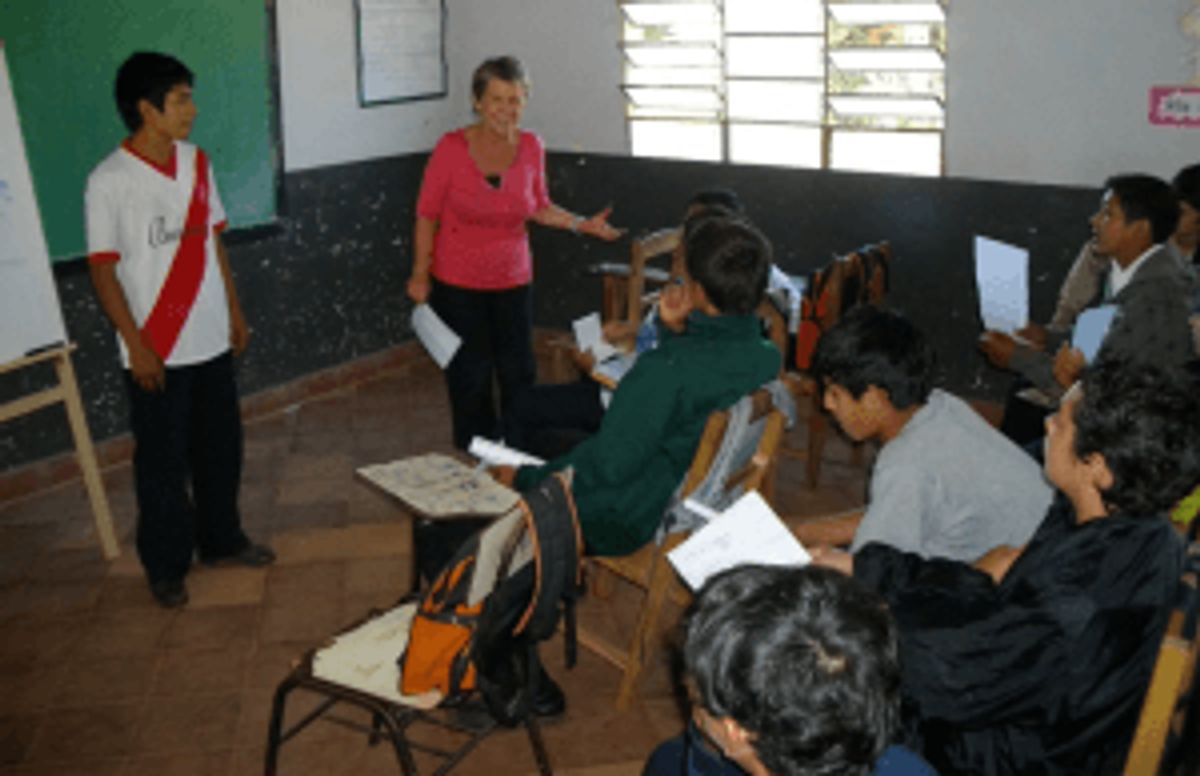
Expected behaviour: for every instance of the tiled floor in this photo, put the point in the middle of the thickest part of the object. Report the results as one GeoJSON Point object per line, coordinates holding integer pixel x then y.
{"type": "Point", "coordinates": [97, 679]}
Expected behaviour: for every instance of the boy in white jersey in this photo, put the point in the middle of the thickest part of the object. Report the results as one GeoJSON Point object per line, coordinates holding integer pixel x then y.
{"type": "Point", "coordinates": [154, 220]}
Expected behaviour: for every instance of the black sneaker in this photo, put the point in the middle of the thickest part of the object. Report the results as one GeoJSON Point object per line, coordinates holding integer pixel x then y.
{"type": "Point", "coordinates": [254, 556]}
{"type": "Point", "coordinates": [170, 593]}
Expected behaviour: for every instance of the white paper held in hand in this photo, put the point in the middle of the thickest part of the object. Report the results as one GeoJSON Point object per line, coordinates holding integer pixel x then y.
{"type": "Point", "coordinates": [1002, 275]}
{"type": "Point", "coordinates": [748, 532]}
{"type": "Point", "coordinates": [497, 454]}
{"type": "Point", "coordinates": [1091, 328]}
{"type": "Point", "coordinates": [589, 336]}
{"type": "Point", "coordinates": [439, 339]}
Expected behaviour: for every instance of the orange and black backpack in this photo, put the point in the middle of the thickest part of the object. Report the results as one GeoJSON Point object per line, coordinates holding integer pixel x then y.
{"type": "Point", "coordinates": [503, 592]}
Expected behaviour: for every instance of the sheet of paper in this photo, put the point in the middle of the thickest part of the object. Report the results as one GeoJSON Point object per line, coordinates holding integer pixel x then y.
{"type": "Point", "coordinates": [748, 532]}
{"type": "Point", "coordinates": [589, 335]}
{"type": "Point", "coordinates": [496, 454]}
{"type": "Point", "coordinates": [439, 339]}
{"type": "Point", "coordinates": [1002, 275]}
{"type": "Point", "coordinates": [1091, 328]}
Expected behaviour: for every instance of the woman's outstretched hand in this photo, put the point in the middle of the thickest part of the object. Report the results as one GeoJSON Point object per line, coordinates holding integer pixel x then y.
{"type": "Point", "coordinates": [597, 226]}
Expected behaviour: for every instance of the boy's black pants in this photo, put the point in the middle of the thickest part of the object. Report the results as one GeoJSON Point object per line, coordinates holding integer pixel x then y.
{"type": "Point", "coordinates": [187, 467]}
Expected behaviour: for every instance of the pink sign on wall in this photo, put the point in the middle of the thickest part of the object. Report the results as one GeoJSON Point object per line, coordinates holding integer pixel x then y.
{"type": "Point", "coordinates": [1175, 106]}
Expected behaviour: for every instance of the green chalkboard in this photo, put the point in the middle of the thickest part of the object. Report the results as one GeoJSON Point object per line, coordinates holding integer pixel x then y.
{"type": "Point", "coordinates": [63, 56]}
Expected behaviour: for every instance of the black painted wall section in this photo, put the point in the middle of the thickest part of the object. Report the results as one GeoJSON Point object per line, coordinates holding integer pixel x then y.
{"type": "Point", "coordinates": [327, 287]}
{"type": "Point", "coordinates": [812, 215]}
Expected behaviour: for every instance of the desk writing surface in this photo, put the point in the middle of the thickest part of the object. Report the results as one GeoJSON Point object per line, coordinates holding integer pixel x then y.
{"type": "Point", "coordinates": [440, 487]}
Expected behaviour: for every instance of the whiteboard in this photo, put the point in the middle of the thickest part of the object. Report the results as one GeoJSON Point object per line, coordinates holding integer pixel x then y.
{"type": "Point", "coordinates": [30, 314]}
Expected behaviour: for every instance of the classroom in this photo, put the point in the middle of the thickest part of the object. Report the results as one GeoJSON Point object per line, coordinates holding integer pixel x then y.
{"type": "Point", "coordinates": [1042, 103]}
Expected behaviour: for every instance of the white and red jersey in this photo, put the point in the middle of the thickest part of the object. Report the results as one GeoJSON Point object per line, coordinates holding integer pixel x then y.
{"type": "Point", "coordinates": [159, 224]}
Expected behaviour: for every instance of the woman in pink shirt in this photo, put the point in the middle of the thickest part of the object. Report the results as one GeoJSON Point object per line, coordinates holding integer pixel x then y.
{"type": "Point", "coordinates": [472, 263]}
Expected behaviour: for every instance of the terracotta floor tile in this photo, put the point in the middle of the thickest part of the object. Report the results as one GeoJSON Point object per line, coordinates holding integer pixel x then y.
{"type": "Point", "coordinates": [299, 468]}
{"type": "Point", "coordinates": [191, 764]}
{"type": "Point", "coordinates": [317, 579]}
{"type": "Point", "coordinates": [88, 681]}
{"type": "Point", "coordinates": [29, 691]}
{"type": "Point", "coordinates": [319, 514]}
{"type": "Point", "coordinates": [298, 492]}
{"type": "Point", "coordinates": [189, 672]}
{"type": "Point", "coordinates": [38, 642]}
{"type": "Point", "coordinates": [351, 542]}
{"type": "Point", "coordinates": [61, 598]}
{"type": "Point", "coordinates": [227, 629]}
{"type": "Point", "coordinates": [193, 723]}
{"type": "Point", "coordinates": [106, 766]}
{"type": "Point", "coordinates": [136, 632]}
{"type": "Point", "coordinates": [102, 731]}
{"type": "Point", "coordinates": [17, 733]}
{"type": "Point", "coordinates": [121, 592]}
{"type": "Point", "coordinates": [226, 587]}
{"type": "Point", "coordinates": [310, 621]}
{"type": "Point", "coordinates": [324, 442]}
{"type": "Point", "coordinates": [268, 664]}
{"type": "Point", "coordinates": [86, 565]}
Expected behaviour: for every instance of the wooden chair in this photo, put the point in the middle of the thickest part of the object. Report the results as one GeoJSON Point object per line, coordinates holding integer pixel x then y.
{"type": "Point", "coordinates": [861, 277]}
{"type": "Point", "coordinates": [649, 569]}
{"type": "Point", "coordinates": [625, 295]}
{"type": "Point", "coordinates": [1167, 739]}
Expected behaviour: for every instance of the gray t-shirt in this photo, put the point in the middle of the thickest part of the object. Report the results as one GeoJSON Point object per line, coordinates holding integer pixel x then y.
{"type": "Point", "coordinates": [951, 486]}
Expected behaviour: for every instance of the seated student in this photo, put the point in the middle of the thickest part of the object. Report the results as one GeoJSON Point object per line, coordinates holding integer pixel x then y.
{"type": "Point", "coordinates": [1036, 660]}
{"type": "Point", "coordinates": [945, 484]}
{"type": "Point", "coordinates": [1086, 275]}
{"type": "Point", "coordinates": [711, 355]}
{"type": "Point", "coordinates": [1145, 281]}
{"type": "Point", "coordinates": [793, 671]}
{"type": "Point", "coordinates": [549, 420]}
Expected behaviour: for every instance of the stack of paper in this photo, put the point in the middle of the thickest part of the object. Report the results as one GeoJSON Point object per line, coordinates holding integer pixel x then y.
{"type": "Point", "coordinates": [497, 454]}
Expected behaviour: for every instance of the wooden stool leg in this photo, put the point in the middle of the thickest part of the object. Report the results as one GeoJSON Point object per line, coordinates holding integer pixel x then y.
{"type": "Point", "coordinates": [645, 634]}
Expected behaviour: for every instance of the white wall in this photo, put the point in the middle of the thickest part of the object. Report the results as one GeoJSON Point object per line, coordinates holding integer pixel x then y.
{"type": "Point", "coordinates": [1058, 92]}
{"type": "Point", "coordinates": [569, 47]}
{"type": "Point", "coordinates": [570, 50]}
{"type": "Point", "coordinates": [1041, 92]}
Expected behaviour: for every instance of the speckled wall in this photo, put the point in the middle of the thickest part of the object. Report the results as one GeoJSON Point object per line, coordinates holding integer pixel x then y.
{"type": "Point", "coordinates": [328, 286]}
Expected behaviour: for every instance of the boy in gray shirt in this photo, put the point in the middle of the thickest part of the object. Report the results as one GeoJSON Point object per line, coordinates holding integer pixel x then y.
{"type": "Point", "coordinates": [946, 484]}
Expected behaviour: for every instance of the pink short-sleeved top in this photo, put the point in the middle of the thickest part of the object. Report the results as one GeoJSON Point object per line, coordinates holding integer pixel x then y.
{"type": "Point", "coordinates": [482, 240]}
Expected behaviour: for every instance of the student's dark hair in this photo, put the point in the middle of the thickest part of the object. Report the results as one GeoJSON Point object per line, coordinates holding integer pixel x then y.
{"type": "Point", "coordinates": [505, 68]}
{"type": "Point", "coordinates": [726, 198]}
{"type": "Point", "coordinates": [147, 75]}
{"type": "Point", "coordinates": [729, 258]}
{"type": "Point", "coordinates": [1145, 421]}
{"type": "Point", "coordinates": [872, 346]}
{"type": "Point", "coordinates": [1147, 197]}
{"type": "Point", "coordinates": [1186, 185]}
{"type": "Point", "coordinates": [805, 659]}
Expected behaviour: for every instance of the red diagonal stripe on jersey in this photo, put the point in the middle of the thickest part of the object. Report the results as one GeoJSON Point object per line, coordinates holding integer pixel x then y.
{"type": "Point", "coordinates": [182, 286]}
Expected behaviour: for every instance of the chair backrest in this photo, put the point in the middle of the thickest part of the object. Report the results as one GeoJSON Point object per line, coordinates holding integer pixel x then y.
{"type": "Point", "coordinates": [735, 454]}
{"type": "Point", "coordinates": [664, 242]}
{"type": "Point", "coordinates": [1167, 739]}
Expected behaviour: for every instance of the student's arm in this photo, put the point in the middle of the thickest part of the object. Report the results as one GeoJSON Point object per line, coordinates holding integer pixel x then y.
{"type": "Point", "coordinates": [239, 332]}
{"type": "Point", "coordinates": [835, 531]}
{"type": "Point", "coordinates": [144, 363]}
{"type": "Point", "coordinates": [418, 284]}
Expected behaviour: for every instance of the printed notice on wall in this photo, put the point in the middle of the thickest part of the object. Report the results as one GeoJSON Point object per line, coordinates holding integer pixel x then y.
{"type": "Point", "coordinates": [1175, 106]}
{"type": "Point", "coordinates": [401, 50]}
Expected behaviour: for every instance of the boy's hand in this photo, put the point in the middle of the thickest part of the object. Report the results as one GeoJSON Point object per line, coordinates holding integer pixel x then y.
{"type": "Point", "coordinates": [839, 560]}
{"type": "Point", "coordinates": [1068, 364]}
{"type": "Point", "coordinates": [505, 475]}
{"type": "Point", "coordinates": [998, 347]}
{"type": "Point", "coordinates": [998, 561]}
{"type": "Point", "coordinates": [239, 332]}
{"type": "Point", "coordinates": [147, 368]}
{"type": "Point", "coordinates": [1035, 335]}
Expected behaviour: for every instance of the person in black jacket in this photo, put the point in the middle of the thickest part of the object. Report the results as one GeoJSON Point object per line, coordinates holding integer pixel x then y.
{"type": "Point", "coordinates": [1035, 660]}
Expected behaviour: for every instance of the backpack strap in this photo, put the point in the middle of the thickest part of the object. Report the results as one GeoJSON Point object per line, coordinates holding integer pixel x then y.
{"type": "Point", "coordinates": [558, 551]}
